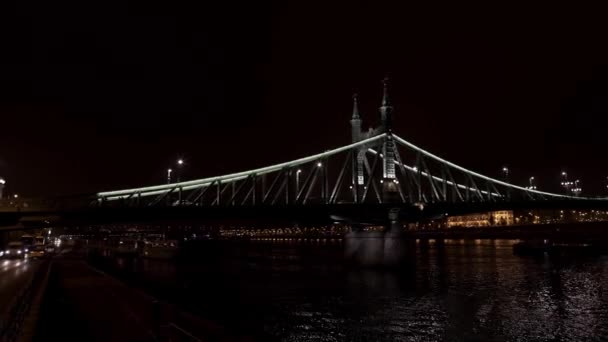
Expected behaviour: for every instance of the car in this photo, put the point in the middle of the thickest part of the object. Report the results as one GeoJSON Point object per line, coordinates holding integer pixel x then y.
{"type": "Point", "coordinates": [15, 250]}
{"type": "Point", "coordinates": [37, 252]}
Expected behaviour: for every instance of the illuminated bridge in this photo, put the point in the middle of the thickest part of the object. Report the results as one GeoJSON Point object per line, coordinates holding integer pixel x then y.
{"type": "Point", "coordinates": [378, 172]}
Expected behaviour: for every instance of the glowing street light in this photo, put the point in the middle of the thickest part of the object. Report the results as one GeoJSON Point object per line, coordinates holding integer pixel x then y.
{"type": "Point", "coordinates": [565, 182]}
{"type": "Point", "coordinates": [180, 165]}
{"type": "Point", "coordinates": [298, 181]}
{"type": "Point", "coordinates": [532, 186]}
{"type": "Point", "coordinates": [577, 189]}
{"type": "Point", "coordinates": [169, 176]}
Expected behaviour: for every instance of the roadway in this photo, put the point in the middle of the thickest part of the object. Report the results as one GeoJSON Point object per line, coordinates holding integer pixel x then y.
{"type": "Point", "coordinates": [15, 275]}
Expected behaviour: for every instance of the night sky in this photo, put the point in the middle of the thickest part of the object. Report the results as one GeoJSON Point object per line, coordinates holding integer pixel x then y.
{"type": "Point", "coordinates": [111, 97]}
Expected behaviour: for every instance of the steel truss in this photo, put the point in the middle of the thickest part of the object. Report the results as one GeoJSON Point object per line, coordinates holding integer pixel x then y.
{"type": "Point", "coordinates": [417, 176]}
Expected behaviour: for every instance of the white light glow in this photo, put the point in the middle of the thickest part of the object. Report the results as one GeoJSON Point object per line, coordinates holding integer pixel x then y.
{"type": "Point", "coordinates": [197, 184]}
{"type": "Point", "coordinates": [460, 168]}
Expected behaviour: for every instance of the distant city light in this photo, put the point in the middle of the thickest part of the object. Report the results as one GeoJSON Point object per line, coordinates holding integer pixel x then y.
{"type": "Point", "coordinates": [2, 181]}
{"type": "Point", "coordinates": [16, 196]}
{"type": "Point", "coordinates": [180, 162]}
{"type": "Point", "coordinates": [319, 164]}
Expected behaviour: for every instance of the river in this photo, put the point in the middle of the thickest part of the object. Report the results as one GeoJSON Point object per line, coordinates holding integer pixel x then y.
{"type": "Point", "coordinates": [464, 290]}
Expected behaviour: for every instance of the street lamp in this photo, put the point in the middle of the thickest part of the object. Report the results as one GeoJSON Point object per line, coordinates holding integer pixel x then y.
{"type": "Point", "coordinates": [505, 171]}
{"type": "Point", "coordinates": [2, 182]}
{"type": "Point", "coordinates": [180, 164]}
{"type": "Point", "coordinates": [577, 189]}
{"type": "Point", "coordinates": [169, 176]}
{"type": "Point", "coordinates": [532, 186]}
{"type": "Point", "coordinates": [298, 181]}
{"type": "Point", "coordinates": [565, 182]}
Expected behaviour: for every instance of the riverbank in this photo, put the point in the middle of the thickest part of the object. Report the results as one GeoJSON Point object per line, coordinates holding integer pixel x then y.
{"type": "Point", "coordinates": [82, 303]}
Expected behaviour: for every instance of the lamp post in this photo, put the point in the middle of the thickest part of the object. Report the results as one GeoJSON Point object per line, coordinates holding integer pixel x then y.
{"type": "Point", "coordinates": [169, 176]}
{"type": "Point", "coordinates": [505, 172]}
{"type": "Point", "coordinates": [565, 184]}
{"type": "Point", "coordinates": [298, 181]}
{"type": "Point", "coordinates": [577, 189]}
{"type": "Point", "coordinates": [532, 186]}
{"type": "Point", "coordinates": [2, 182]}
{"type": "Point", "coordinates": [180, 164]}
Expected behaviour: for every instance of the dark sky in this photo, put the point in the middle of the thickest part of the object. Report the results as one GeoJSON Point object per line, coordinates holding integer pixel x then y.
{"type": "Point", "coordinates": [104, 98]}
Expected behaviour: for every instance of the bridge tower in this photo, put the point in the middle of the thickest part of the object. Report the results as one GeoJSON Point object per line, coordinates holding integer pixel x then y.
{"type": "Point", "coordinates": [357, 135]}
{"type": "Point", "coordinates": [389, 187]}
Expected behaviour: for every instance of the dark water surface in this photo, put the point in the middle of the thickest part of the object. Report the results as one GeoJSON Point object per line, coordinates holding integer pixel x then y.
{"type": "Point", "coordinates": [465, 290]}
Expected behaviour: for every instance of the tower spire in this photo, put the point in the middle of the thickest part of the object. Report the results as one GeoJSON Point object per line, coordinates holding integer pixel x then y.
{"type": "Point", "coordinates": [356, 115]}
{"type": "Point", "coordinates": [386, 102]}
{"type": "Point", "coordinates": [386, 110]}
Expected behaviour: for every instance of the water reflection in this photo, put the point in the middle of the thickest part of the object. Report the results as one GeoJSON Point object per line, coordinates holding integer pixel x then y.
{"type": "Point", "coordinates": [457, 290]}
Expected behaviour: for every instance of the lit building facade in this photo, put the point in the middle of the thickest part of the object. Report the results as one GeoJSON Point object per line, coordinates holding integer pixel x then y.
{"type": "Point", "coordinates": [493, 218]}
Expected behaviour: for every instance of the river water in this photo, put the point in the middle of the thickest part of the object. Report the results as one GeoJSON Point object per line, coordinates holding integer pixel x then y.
{"type": "Point", "coordinates": [473, 290]}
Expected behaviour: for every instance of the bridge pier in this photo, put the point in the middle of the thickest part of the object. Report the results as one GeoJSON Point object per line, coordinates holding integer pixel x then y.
{"type": "Point", "coordinates": [380, 249]}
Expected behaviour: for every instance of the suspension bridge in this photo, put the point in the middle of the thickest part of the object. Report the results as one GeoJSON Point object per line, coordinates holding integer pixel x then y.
{"type": "Point", "coordinates": [377, 167]}
{"type": "Point", "coordinates": [376, 172]}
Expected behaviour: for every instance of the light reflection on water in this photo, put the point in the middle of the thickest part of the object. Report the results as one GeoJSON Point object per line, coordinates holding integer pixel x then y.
{"type": "Point", "coordinates": [463, 290]}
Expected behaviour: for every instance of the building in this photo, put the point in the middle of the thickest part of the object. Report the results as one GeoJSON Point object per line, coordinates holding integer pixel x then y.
{"type": "Point", "coordinates": [492, 218]}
